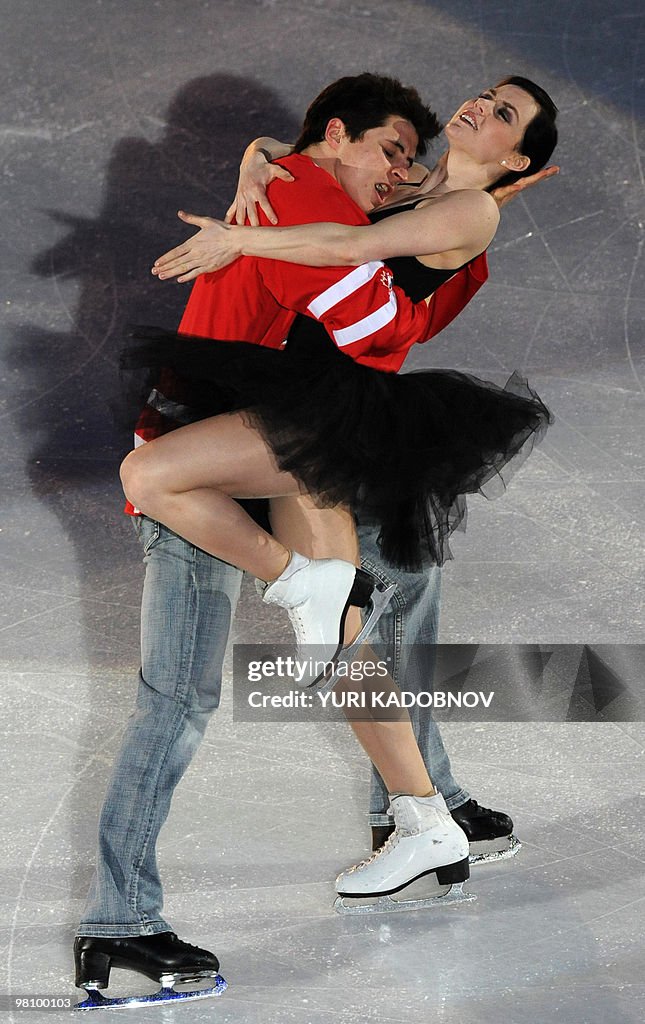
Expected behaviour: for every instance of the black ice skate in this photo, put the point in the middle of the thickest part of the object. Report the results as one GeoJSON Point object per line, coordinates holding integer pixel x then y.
{"type": "Point", "coordinates": [379, 599]}
{"type": "Point", "coordinates": [163, 958]}
{"type": "Point", "coordinates": [490, 833]}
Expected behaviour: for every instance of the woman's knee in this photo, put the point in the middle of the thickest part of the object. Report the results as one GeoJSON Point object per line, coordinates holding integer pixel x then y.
{"type": "Point", "coordinates": [143, 480]}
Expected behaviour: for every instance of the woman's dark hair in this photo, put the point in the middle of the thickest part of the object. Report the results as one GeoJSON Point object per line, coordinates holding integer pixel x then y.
{"type": "Point", "coordinates": [366, 101]}
{"type": "Point", "coordinates": [540, 136]}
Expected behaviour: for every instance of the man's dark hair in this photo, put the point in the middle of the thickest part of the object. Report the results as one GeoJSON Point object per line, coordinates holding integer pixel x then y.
{"type": "Point", "coordinates": [366, 101]}
{"type": "Point", "coordinates": [540, 135]}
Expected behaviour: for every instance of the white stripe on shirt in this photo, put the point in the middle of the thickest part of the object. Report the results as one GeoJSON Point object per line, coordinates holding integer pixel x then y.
{"type": "Point", "coordinates": [368, 325]}
{"type": "Point", "coordinates": [341, 289]}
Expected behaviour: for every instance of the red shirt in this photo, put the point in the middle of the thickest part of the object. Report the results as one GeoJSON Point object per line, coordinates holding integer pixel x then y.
{"type": "Point", "coordinates": [256, 300]}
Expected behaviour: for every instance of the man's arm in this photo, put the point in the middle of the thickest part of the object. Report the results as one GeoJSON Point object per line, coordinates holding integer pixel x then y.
{"type": "Point", "coordinates": [358, 307]}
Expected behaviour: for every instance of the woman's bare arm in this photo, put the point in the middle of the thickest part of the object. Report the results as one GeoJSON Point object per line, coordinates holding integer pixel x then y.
{"type": "Point", "coordinates": [256, 173]}
{"type": "Point", "coordinates": [210, 248]}
{"type": "Point", "coordinates": [457, 224]}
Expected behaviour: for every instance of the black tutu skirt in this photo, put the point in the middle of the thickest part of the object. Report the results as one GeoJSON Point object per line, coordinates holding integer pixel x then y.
{"type": "Point", "coordinates": [402, 449]}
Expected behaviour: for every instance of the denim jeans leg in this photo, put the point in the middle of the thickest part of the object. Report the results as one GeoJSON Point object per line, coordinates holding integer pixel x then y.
{"type": "Point", "coordinates": [408, 630]}
{"type": "Point", "coordinates": [189, 599]}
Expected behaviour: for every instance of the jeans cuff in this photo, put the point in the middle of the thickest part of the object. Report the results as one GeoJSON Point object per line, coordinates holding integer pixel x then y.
{"type": "Point", "coordinates": [380, 820]}
{"type": "Point", "coordinates": [122, 931]}
{"type": "Point", "coordinates": [457, 799]}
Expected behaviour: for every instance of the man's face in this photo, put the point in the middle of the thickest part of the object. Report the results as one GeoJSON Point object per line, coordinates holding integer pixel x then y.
{"type": "Point", "coordinates": [369, 169]}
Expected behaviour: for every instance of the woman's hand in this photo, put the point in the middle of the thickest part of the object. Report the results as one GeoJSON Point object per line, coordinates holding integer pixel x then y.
{"type": "Point", "coordinates": [213, 247]}
{"type": "Point", "coordinates": [503, 195]}
{"type": "Point", "coordinates": [256, 173]}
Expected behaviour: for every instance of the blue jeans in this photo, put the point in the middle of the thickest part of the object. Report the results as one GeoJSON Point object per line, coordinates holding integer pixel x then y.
{"type": "Point", "coordinates": [189, 600]}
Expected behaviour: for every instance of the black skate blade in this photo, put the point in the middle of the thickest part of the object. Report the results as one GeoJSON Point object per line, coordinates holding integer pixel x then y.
{"type": "Point", "coordinates": [96, 1001]}
{"type": "Point", "coordinates": [378, 602]}
{"type": "Point", "coordinates": [418, 895]}
{"type": "Point", "coordinates": [490, 851]}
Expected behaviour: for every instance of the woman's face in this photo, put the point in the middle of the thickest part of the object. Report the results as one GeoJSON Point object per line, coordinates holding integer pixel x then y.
{"type": "Point", "coordinates": [491, 127]}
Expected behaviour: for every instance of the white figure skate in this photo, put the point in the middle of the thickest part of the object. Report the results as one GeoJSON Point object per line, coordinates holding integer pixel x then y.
{"type": "Point", "coordinates": [490, 833]}
{"type": "Point", "coordinates": [317, 594]}
{"type": "Point", "coordinates": [423, 864]}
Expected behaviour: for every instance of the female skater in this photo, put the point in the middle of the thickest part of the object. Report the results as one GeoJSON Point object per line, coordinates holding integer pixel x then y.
{"type": "Point", "coordinates": [406, 448]}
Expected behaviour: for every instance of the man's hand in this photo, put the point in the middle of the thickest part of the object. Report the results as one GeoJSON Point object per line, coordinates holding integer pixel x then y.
{"type": "Point", "coordinates": [256, 172]}
{"type": "Point", "coordinates": [503, 195]}
{"type": "Point", "coordinates": [212, 248]}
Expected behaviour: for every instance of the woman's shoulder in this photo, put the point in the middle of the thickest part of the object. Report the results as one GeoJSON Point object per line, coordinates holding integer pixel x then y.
{"type": "Point", "coordinates": [465, 199]}
{"type": "Point", "coordinates": [472, 214]}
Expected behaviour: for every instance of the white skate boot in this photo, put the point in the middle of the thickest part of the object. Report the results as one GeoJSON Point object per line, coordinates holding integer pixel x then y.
{"type": "Point", "coordinates": [424, 863]}
{"type": "Point", "coordinates": [317, 594]}
{"type": "Point", "coordinates": [490, 833]}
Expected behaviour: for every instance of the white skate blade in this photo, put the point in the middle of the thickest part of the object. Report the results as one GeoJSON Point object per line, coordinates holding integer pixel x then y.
{"type": "Point", "coordinates": [419, 895]}
{"type": "Point", "coordinates": [379, 601]}
{"type": "Point", "coordinates": [490, 851]}
{"type": "Point", "coordinates": [166, 994]}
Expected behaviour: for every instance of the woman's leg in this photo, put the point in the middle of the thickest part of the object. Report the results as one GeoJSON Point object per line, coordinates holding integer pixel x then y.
{"type": "Point", "coordinates": [331, 533]}
{"type": "Point", "coordinates": [188, 480]}
{"type": "Point", "coordinates": [301, 525]}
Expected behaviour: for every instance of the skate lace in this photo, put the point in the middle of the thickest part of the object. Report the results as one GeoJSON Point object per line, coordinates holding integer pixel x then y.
{"type": "Point", "coordinates": [297, 623]}
{"type": "Point", "coordinates": [388, 845]}
{"type": "Point", "coordinates": [477, 810]}
{"type": "Point", "coordinates": [185, 945]}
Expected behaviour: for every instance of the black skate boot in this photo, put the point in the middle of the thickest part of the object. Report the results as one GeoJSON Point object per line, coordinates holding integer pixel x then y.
{"type": "Point", "coordinates": [162, 957]}
{"type": "Point", "coordinates": [490, 833]}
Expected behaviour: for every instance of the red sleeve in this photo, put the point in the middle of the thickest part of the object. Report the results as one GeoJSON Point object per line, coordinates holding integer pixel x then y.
{"type": "Point", "coordinates": [446, 303]}
{"type": "Point", "coordinates": [404, 323]}
{"type": "Point", "coordinates": [455, 294]}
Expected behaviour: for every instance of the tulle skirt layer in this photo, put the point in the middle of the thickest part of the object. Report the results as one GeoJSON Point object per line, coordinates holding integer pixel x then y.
{"type": "Point", "coordinates": [403, 449]}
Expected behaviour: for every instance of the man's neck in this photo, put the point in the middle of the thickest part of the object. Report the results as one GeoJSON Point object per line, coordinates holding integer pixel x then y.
{"type": "Point", "coordinates": [324, 157]}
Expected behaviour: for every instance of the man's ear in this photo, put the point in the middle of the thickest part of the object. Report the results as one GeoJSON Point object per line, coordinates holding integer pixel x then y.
{"type": "Point", "coordinates": [516, 162]}
{"type": "Point", "coordinates": [335, 132]}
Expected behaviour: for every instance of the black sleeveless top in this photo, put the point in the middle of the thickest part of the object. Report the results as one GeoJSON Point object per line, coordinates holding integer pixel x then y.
{"type": "Point", "coordinates": [416, 280]}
